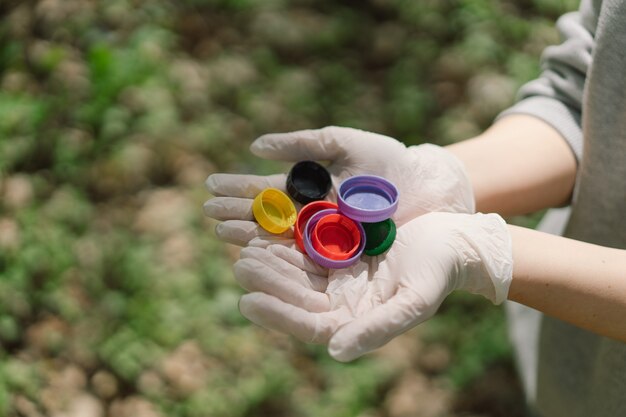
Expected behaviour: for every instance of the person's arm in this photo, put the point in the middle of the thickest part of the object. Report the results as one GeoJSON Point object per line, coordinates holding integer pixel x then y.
{"type": "Point", "coordinates": [527, 160]}
{"type": "Point", "coordinates": [520, 165]}
{"type": "Point", "coordinates": [577, 282]}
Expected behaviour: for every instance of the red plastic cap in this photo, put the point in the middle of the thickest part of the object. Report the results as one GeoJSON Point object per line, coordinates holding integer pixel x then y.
{"type": "Point", "coordinates": [336, 237]}
{"type": "Point", "coordinates": [305, 214]}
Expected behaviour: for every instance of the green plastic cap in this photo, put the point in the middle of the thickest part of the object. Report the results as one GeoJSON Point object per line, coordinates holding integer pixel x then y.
{"type": "Point", "coordinates": [379, 236]}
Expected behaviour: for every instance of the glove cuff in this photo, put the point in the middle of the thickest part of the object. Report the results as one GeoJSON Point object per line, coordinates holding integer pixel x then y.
{"type": "Point", "coordinates": [490, 253]}
{"type": "Point", "coordinates": [450, 174]}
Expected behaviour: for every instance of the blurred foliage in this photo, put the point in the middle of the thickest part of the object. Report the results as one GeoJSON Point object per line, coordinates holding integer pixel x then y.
{"type": "Point", "coordinates": [115, 297]}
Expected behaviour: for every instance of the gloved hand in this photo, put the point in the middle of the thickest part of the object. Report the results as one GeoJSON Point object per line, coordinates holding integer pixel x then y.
{"type": "Point", "coordinates": [428, 177]}
{"type": "Point", "coordinates": [358, 309]}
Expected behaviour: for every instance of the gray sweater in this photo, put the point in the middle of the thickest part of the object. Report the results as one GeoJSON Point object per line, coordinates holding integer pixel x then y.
{"type": "Point", "coordinates": [568, 371]}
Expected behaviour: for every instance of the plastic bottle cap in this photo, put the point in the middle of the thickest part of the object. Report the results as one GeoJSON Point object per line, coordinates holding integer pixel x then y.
{"type": "Point", "coordinates": [367, 198]}
{"type": "Point", "coordinates": [273, 210]}
{"type": "Point", "coordinates": [308, 181]}
{"type": "Point", "coordinates": [305, 214]}
{"type": "Point", "coordinates": [379, 236]}
{"type": "Point", "coordinates": [322, 260]}
{"type": "Point", "coordinates": [336, 237]}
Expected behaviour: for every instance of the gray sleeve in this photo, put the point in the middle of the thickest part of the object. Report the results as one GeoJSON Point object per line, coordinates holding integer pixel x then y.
{"type": "Point", "coordinates": [556, 96]}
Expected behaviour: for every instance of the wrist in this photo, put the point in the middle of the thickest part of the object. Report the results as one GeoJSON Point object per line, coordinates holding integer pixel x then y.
{"type": "Point", "coordinates": [518, 166]}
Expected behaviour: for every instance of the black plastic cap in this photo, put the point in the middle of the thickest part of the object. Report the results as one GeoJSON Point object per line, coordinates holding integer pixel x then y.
{"type": "Point", "coordinates": [308, 181]}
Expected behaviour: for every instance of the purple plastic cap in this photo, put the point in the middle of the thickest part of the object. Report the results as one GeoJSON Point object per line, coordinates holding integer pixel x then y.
{"type": "Point", "coordinates": [322, 260]}
{"type": "Point", "coordinates": [367, 198]}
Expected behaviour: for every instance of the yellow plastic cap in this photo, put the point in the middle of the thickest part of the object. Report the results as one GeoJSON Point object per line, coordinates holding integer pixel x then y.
{"type": "Point", "coordinates": [273, 210]}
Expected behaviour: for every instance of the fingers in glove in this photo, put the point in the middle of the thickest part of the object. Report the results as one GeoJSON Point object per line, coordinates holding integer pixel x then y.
{"type": "Point", "coordinates": [327, 144]}
{"type": "Point", "coordinates": [372, 330]}
{"type": "Point", "coordinates": [266, 241]}
{"type": "Point", "coordinates": [298, 259]}
{"type": "Point", "coordinates": [244, 186]}
{"type": "Point", "coordinates": [254, 275]}
{"type": "Point", "coordinates": [272, 313]}
{"type": "Point", "coordinates": [241, 232]}
{"type": "Point", "coordinates": [313, 278]}
{"type": "Point", "coordinates": [229, 208]}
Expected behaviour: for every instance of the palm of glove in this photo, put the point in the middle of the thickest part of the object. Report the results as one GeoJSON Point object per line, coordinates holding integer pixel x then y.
{"type": "Point", "coordinates": [428, 177]}
{"type": "Point", "coordinates": [360, 308]}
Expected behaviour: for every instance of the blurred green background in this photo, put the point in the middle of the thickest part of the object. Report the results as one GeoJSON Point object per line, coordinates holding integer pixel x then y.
{"type": "Point", "coordinates": [115, 297]}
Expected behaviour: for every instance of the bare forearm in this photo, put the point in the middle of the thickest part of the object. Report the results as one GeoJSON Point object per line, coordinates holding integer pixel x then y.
{"type": "Point", "coordinates": [519, 165]}
{"type": "Point", "coordinates": [577, 282]}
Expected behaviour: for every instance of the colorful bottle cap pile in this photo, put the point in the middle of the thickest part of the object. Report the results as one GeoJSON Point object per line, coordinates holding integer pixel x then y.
{"type": "Point", "coordinates": [333, 235]}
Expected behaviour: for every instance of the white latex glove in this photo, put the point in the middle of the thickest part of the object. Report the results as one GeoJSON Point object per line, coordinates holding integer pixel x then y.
{"type": "Point", "coordinates": [358, 309]}
{"type": "Point", "coordinates": [428, 177]}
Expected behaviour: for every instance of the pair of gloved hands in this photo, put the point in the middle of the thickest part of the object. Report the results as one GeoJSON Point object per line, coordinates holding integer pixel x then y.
{"type": "Point", "coordinates": [440, 246]}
